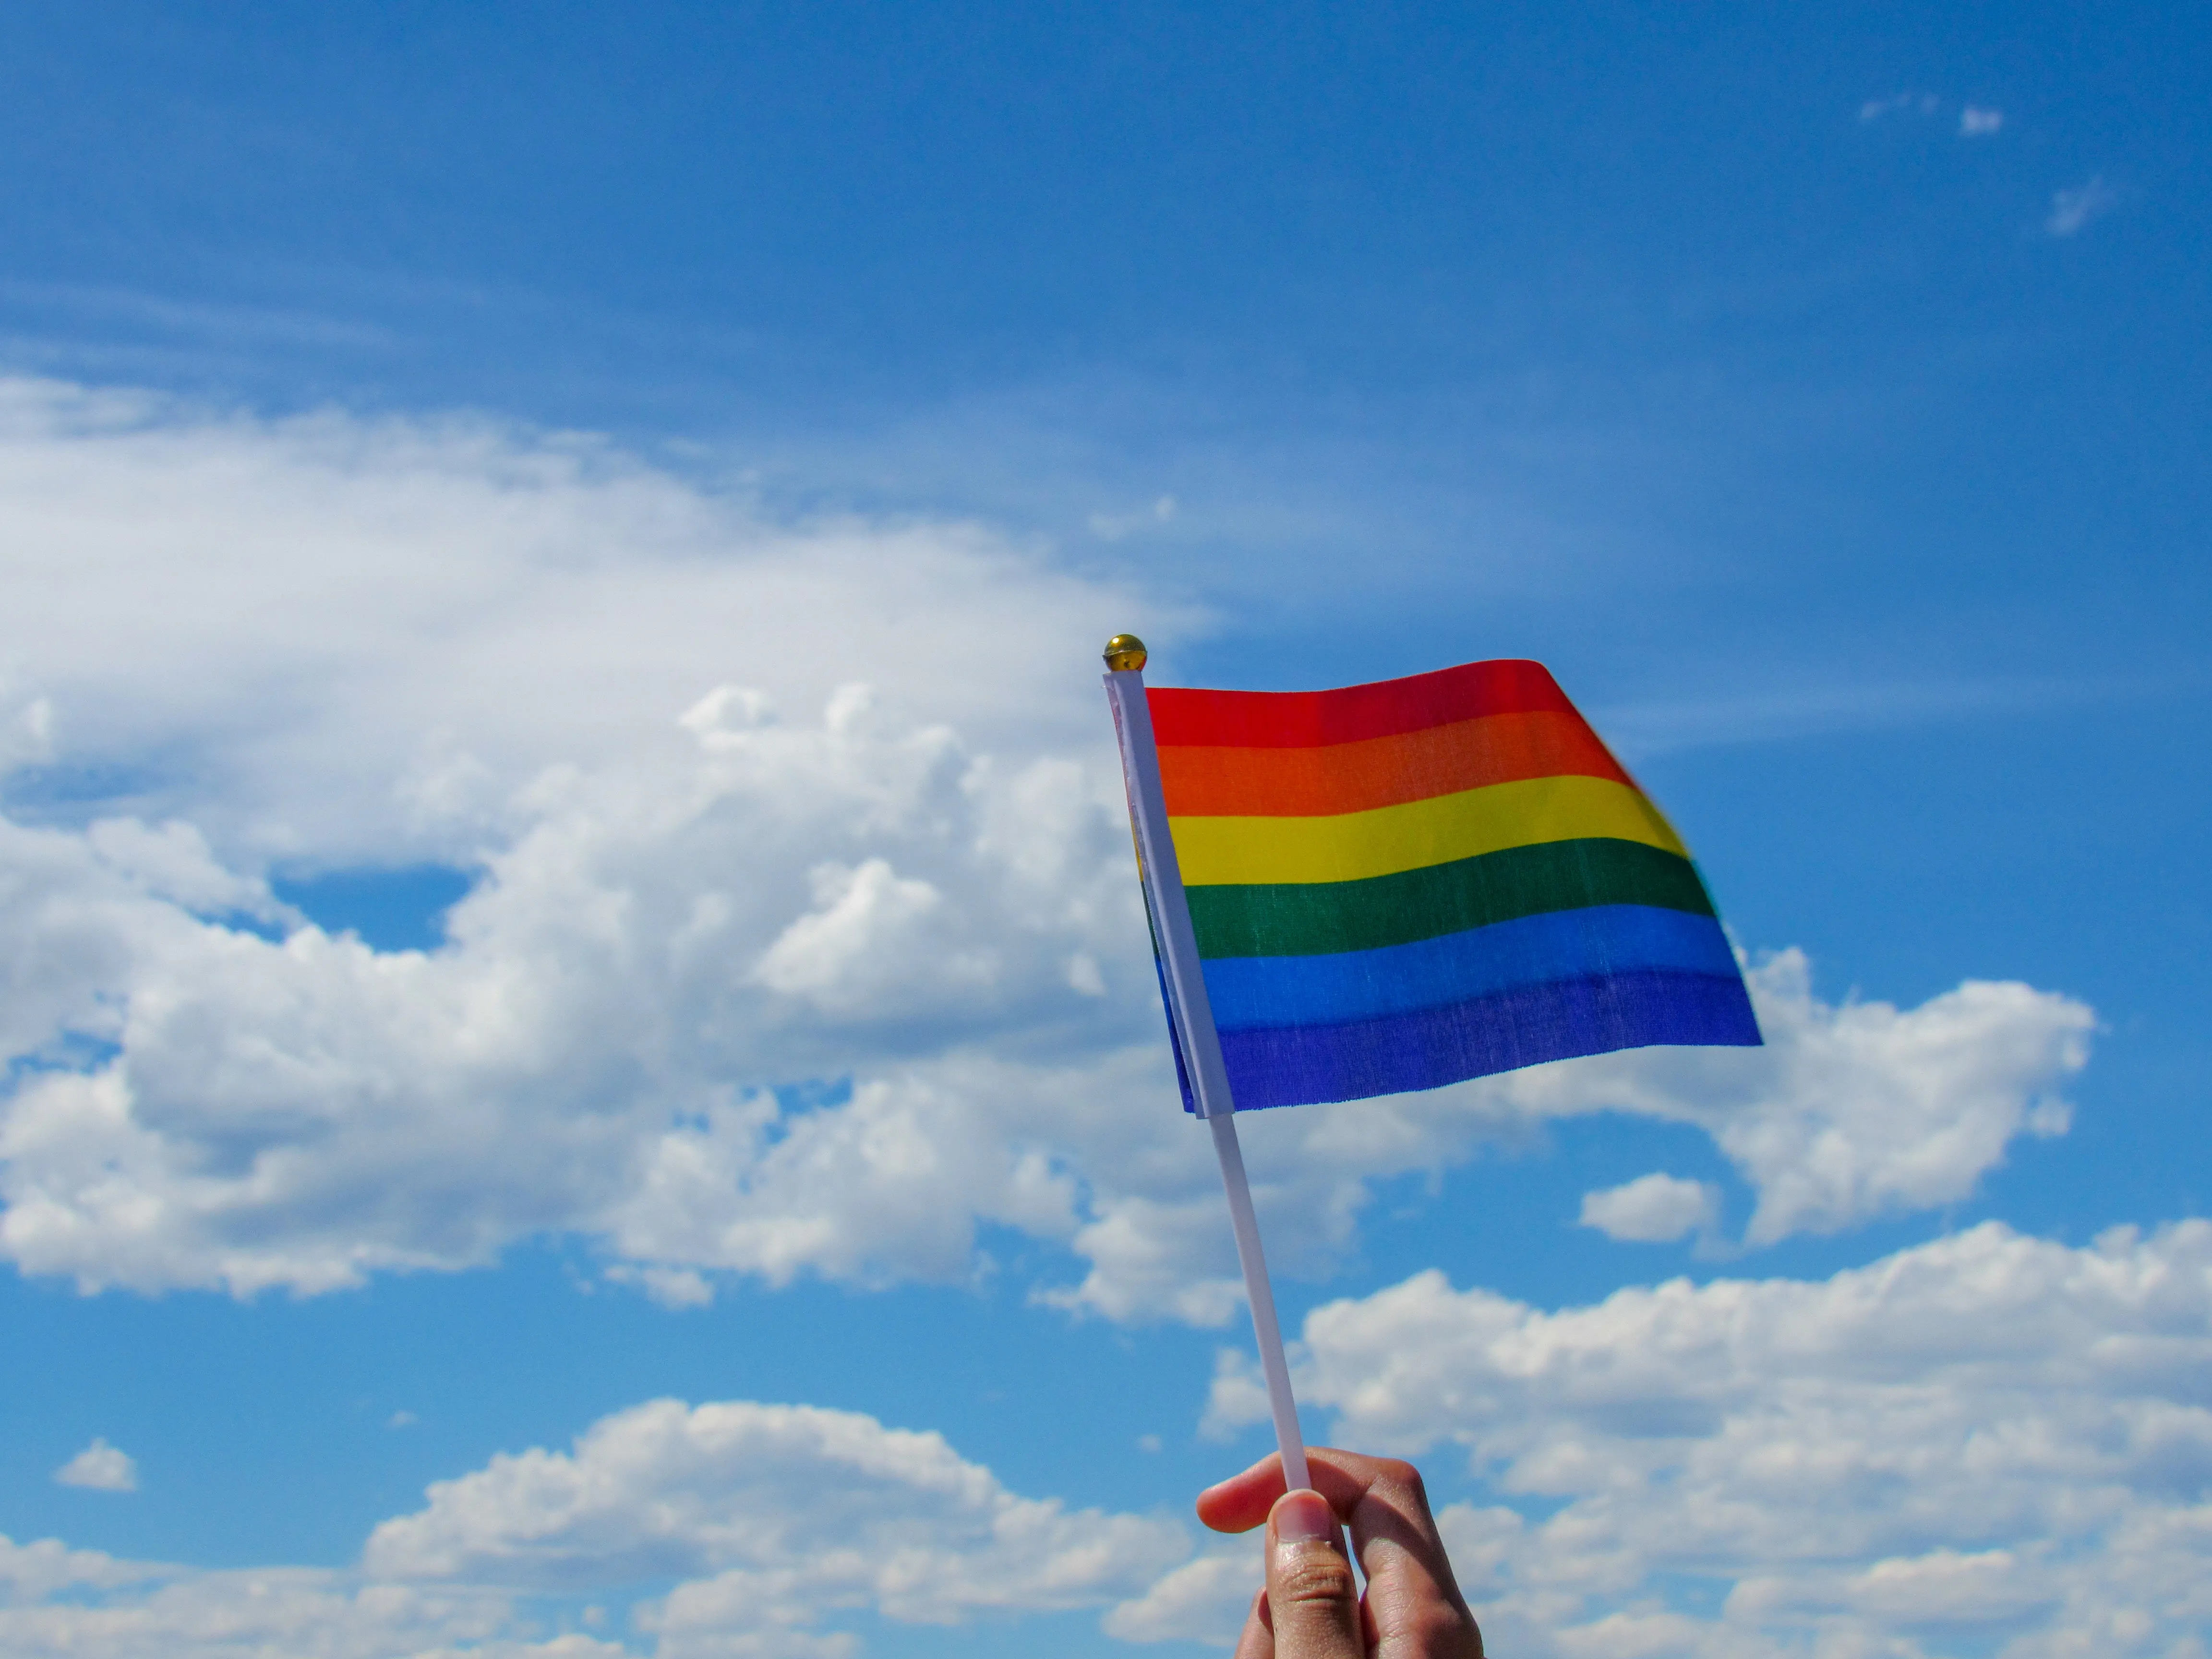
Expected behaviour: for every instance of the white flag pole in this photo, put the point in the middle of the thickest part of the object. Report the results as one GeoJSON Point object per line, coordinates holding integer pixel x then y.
{"type": "Point", "coordinates": [1194, 1022]}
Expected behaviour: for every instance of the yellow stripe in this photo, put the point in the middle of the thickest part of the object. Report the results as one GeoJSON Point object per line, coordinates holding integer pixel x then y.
{"type": "Point", "coordinates": [1352, 846]}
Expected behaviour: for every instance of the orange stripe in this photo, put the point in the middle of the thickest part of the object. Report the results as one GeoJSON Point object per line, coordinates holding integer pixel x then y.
{"type": "Point", "coordinates": [1357, 777]}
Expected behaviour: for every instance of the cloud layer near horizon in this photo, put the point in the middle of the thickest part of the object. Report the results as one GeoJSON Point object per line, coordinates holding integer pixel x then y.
{"type": "Point", "coordinates": [1986, 1443]}
{"type": "Point", "coordinates": [775, 1524]}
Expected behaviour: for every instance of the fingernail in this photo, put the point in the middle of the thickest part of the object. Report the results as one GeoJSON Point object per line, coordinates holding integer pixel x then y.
{"type": "Point", "coordinates": [1305, 1517]}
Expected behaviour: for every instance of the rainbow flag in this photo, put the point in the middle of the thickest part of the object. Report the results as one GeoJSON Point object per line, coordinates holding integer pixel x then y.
{"type": "Point", "coordinates": [1399, 885]}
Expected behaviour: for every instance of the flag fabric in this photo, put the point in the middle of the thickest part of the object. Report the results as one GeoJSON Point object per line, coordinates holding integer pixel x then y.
{"type": "Point", "coordinates": [1399, 885]}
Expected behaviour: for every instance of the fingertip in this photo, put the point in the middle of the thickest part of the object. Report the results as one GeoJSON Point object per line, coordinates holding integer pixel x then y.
{"type": "Point", "coordinates": [1302, 1516]}
{"type": "Point", "coordinates": [1214, 1510]}
{"type": "Point", "coordinates": [1241, 1503]}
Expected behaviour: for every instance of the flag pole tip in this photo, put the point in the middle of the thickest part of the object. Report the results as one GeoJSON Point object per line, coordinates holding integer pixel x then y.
{"type": "Point", "coordinates": [1125, 653]}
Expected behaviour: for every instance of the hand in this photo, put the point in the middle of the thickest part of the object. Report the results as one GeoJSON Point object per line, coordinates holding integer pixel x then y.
{"type": "Point", "coordinates": [1311, 1608]}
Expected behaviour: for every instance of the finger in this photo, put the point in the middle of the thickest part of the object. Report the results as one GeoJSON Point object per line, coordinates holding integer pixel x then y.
{"type": "Point", "coordinates": [1313, 1599]}
{"type": "Point", "coordinates": [1414, 1603]}
{"type": "Point", "coordinates": [1258, 1641]}
{"type": "Point", "coordinates": [1242, 1502]}
{"type": "Point", "coordinates": [1413, 1606]}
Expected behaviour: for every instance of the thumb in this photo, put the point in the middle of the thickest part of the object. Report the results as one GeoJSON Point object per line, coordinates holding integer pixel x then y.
{"type": "Point", "coordinates": [1313, 1601]}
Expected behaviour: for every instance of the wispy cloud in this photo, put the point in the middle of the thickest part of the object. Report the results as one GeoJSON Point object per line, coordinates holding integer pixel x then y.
{"type": "Point", "coordinates": [1900, 103]}
{"type": "Point", "coordinates": [1782, 714]}
{"type": "Point", "coordinates": [1974, 121]}
{"type": "Point", "coordinates": [130, 311]}
{"type": "Point", "coordinates": [2071, 210]}
{"type": "Point", "coordinates": [1113, 526]}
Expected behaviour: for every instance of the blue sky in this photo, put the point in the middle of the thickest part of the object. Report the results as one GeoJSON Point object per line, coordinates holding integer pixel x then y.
{"type": "Point", "coordinates": [450, 460]}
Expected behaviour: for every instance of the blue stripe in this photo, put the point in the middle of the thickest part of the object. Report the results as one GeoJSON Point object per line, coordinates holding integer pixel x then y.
{"type": "Point", "coordinates": [1523, 1027]}
{"type": "Point", "coordinates": [1265, 992]}
{"type": "Point", "coordinates": [1174, 1037]}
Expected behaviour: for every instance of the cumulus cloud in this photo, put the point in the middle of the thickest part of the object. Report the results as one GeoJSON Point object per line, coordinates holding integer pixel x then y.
{"type": "Point", "coordinates": [2074, 210]}
{"type": "Point", "coordinates": [767, 971]}
{"type": "Point", "coordinates": [100, 1468]}
{"type": "Point", "coordinates": [1205, 1597]}
{"type": "Point", "coordinates": [772, 1522]}
{"type": "Point", "coordinates": [1975, 123]}
{"type": "Point", "coordinates": [1850, 1112]}
{"type": "Point", "coordinates": [1860, 1109]}
{"type": "Point", "coordinates": [778, 1512]}
{"type": "Point", "coordinates": [1998, 1438]}
{"type": "Point", "coordinates": [1652, 1209]}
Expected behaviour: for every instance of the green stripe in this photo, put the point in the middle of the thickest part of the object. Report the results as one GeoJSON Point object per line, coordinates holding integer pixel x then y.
{"type": "Point", "coordinates": [1304, 919]}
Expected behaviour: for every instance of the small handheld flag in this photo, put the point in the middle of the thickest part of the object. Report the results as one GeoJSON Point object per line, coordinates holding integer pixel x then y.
{"type": "Point", "coordinates": [1396, 886]}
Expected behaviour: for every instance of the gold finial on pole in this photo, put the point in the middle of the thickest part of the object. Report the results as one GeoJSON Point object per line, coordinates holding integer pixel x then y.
{"type": "Point", "coordinates": [1124, 652]}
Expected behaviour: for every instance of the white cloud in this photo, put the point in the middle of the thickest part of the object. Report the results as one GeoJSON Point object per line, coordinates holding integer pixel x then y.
{"type": "Point", "coordinates": [1652, 1209]}
{"type": "Point", "coordinates": [1998, 1436]}
{"type": "Point", "coordinates": [356, 640]}
{"type": "Point", "coordinates": [768, 973]}
{"type": "Point", "coordinates": [869, 937]}
{"type": "Point", "coordinates": [773, 1514]}
{"type": "Point", "coordinates": [1850, 1112]}
{"type": "Point", "coordinates": [1206, 1597]}
{"type": "Point", "coordinates": [1976, 123]}
{"type": "Point", "coordinates": [100, 1468]}
{"type": "Point", "coordinates": [774, 1522]}
{"type": "Point", "coordinates": [1854, 1111]}
{"type": "Point", "coordinates": [2072, 210]}
{"type": "Point", "coordinates": [174, 863]}
{"type": "Point", "coordinates": [57, 1603]}
{"type": "Point", "coordinates": [26, 729]}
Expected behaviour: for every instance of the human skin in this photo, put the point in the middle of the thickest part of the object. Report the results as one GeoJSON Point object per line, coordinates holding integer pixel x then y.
{"type": "Point", "coordinates": [1310, 1607]}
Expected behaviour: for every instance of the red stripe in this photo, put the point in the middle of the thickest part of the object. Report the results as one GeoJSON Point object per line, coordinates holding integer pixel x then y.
{"type": "Point", "coordinates": [1204, 781]}
{"type": "Point", "coordinates": [1301, 720]}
